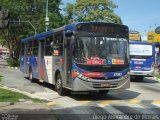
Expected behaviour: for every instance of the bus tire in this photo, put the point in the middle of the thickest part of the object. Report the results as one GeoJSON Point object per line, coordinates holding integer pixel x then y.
{"type": "Point", "coordinates": [59, 87]}
{"type": "Point", "coordinates": [139, 78]}
{"type": "Point", "coordinates": [103, 91]}
{"type": "Point", "coordinates": [31, 75]}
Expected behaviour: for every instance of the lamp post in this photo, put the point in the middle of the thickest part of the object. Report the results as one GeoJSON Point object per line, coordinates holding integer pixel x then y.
{"type": "Point", "coordinates": [47, 18]}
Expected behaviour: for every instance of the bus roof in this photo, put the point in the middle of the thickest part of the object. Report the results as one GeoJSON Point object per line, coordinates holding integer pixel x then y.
{"type": "Point", "coordinates": [38, 36]}
{"type": "Point", "coordinates": [140, 42]}
{"type": "Point", "coordinates": [66, 27]}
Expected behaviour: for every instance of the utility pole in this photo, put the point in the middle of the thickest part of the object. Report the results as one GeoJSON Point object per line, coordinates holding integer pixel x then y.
{"type": "Point", "coordinates": [73, 13]}
{"type": "Point", "coordinates": [47, 18]}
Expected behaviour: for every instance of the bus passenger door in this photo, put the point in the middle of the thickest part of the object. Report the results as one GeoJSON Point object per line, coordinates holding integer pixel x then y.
{"type": "Point", "coordinates": [67, 60]}
{"type": "Point", "coordinates": [41, 60]}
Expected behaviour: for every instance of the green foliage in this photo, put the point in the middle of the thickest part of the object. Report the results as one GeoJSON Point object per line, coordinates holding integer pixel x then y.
{"type": "Point", "coordinates": [28, 10]}
{"type": "Point", "coordinates": [92, 10]}
{"type": "Point", "coordinates": [13, 63]}
{"type": "Point", "coordinates": [34, 11]}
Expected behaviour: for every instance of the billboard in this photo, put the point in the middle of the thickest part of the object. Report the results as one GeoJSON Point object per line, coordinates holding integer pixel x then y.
{"type": "Point", "coordinates": [153, 37]}
{"type": "Point", "coordinates": [134, 35]}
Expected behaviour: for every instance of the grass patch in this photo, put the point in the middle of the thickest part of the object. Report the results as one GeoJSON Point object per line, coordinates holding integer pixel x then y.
{"type": "Point", "coordinates": [10, 96]}
{"type": "Point", "coordinates": [157, 74]}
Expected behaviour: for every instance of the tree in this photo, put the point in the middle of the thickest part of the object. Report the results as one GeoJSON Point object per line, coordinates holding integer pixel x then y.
{"type": "Point", "coordinates": [27, 10]}
{"type": "Point", "coordinates": [92, 10]}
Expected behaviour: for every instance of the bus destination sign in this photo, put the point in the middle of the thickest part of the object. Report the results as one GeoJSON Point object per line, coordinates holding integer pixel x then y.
{"type": "Point", "coordinates": [101, 28]}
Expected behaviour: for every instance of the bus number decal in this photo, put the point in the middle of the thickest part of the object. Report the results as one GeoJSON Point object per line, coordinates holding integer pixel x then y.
{"type": "Point", "coordinates": [117, 74]}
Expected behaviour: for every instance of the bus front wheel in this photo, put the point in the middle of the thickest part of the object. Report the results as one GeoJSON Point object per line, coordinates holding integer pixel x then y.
{"type": "Point", "coordinates": [59, 88]}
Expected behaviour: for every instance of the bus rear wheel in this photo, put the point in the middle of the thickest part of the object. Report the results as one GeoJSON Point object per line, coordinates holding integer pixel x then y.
{"type": "Point", "coordinates": [140, 78]}
{"type": "Point", "coordinates": [137, 78]}
{"type": "Point", "coordinates": [59, 88]}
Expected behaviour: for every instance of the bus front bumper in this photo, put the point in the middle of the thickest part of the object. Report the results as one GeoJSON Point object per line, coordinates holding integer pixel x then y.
{"type": "Point", "coordinates": [98, 84]}
{"type": "Point", "coordinates": [142, 73]}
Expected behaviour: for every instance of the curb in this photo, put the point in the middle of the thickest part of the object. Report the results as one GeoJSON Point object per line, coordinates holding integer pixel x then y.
{"type": "Point", "coordinates": [16, 68]}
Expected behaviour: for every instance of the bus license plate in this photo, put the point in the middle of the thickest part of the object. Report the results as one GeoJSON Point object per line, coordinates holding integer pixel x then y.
{"type": "Point", "coordinates": [105, 85]}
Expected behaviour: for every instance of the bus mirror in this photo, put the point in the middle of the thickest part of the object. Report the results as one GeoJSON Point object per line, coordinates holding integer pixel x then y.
{"type": "Point", "coordinates": [69, 33]}
{"type": "Point", "coordinates": [51, 43]}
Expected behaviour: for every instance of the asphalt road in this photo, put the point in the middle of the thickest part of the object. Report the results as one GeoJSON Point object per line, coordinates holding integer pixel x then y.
{"type": "Point", "coordinates": [140, 99]}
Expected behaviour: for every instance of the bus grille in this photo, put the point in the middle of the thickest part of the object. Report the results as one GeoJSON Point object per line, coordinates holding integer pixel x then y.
{"type": "Point", "coordinates": [92, 68]}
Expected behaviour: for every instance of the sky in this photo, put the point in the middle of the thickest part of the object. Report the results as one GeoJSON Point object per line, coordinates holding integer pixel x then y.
{"type": "Point", "coordinates": [140, 15]}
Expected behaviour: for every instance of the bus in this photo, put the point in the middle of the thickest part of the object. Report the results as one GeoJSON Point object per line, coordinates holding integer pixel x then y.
{"type": "Point", "coordinates": [142, 59]}
{"type": "Point", "coordinates": [83, 56]}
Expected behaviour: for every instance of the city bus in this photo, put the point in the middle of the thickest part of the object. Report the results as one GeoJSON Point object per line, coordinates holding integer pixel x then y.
{"type": "Point", "coordinates": [83, 56]}
{"type": "Point", "coordinates": [142, 59]}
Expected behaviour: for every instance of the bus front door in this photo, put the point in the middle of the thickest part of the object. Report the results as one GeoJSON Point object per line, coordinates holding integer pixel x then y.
{"type": "Point", "coordinates": [26, 59]}
{"type": "Point", "coordinates": [41, 60]}
{"type": "Point", "coordinates": [67, 62]}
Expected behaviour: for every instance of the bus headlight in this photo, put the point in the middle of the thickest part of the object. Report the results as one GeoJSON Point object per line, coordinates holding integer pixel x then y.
{"type": "Point", "coordinates": [79, 75]}
{"type": "Point", "coordinates": [83, 77]}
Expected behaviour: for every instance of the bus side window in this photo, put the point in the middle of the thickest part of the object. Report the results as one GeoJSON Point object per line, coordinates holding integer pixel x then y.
{"type": "Point", "coordinates": [30, 48]}
{"type": "Point", "coordinates": [58, 44]}
{"type": "Point", "coordinates": [35, 47]}
{"type": "Point", "coordinates": [48, 46]}
{"type": "Point", "coordinates": [22, 49]}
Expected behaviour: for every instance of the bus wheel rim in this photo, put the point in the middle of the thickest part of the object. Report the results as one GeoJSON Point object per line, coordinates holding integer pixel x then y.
{"type": "Point", "coordinates": [58, 84]}
{"type": "Point", "coordinates": [30, 75]}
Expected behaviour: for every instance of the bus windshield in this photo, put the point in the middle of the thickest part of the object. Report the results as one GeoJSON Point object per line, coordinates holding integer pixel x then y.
{"type": "Point", "coordinates": [140, 51]}
{"type": "Point", "coordinates": [101, 50]}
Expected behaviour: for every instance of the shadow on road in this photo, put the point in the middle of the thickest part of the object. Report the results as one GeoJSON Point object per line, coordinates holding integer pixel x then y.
{"type": "Point", "coordinates": [95, 96]}
{"type": "Point", "coordinates": [47, 85]}
{"type": "Point", "coordinates": [146, 80]}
